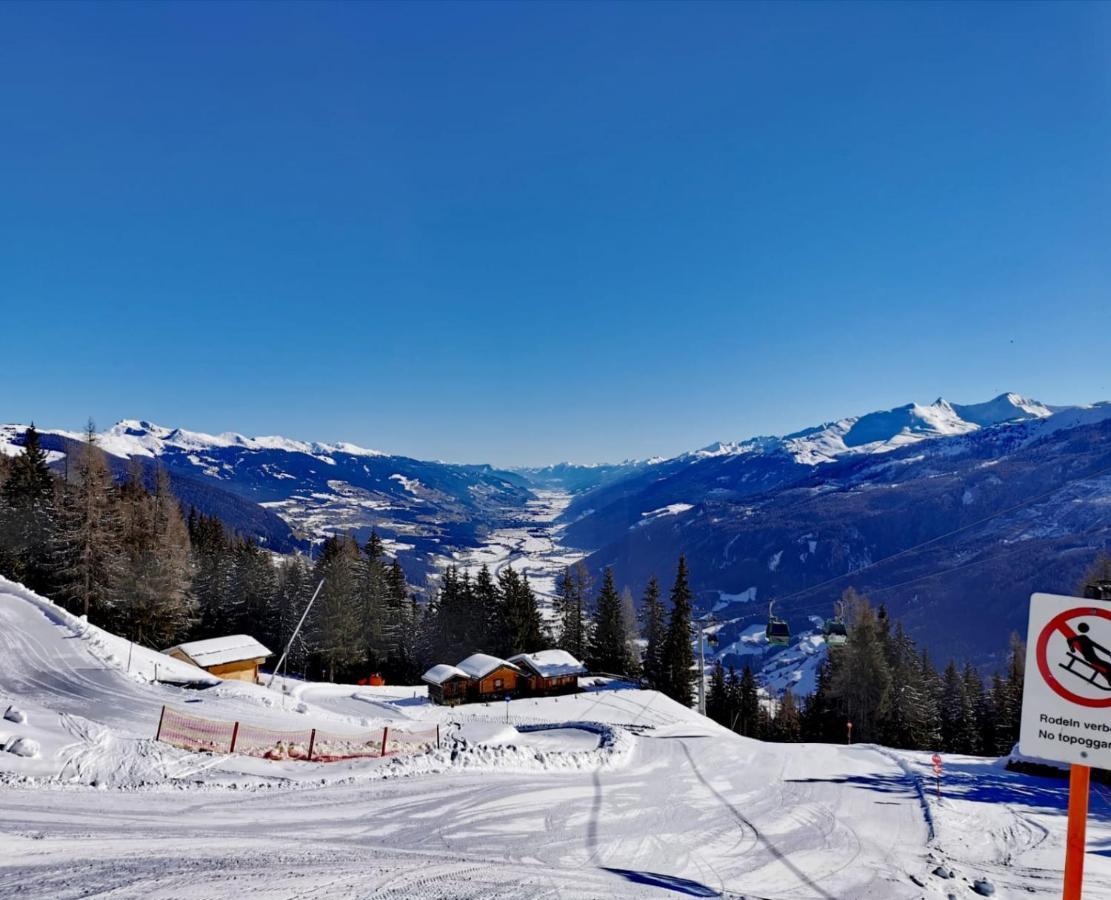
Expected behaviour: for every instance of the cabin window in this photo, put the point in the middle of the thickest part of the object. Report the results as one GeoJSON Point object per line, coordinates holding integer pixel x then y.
{"type": "Point", "coordinates": [497, 684]}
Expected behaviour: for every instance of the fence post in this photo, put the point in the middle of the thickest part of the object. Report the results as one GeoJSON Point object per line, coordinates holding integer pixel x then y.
{"type": "Point", "coordinates": [158, 734]}
{"type": "Point", "coordinates": [437, 735]}
{"type": "Point", "coordinates": [312, 740]}
{"type": "Point", "coordinates": [385, 734]}
{"type": "Point", "coordinates": [234, 735]}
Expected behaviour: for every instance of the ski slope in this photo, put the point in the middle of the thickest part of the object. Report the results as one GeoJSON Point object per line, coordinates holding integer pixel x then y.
{"type": "Point", "coordinates": [611, 793]}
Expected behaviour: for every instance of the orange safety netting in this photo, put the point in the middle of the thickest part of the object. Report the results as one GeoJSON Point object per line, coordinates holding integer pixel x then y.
{"type": "Point", "coordinates": [194, 732]}
{"type": "Point", "coordinates": [197, 733]}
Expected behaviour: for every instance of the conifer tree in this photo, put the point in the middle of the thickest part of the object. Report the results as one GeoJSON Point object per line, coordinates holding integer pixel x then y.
{"type": "Point", "coordinates": [996, 734]}
{"type": "Point", "coordinates": [748, 704]}
{"type": "Point", "coordinates": [905, 724]}
{"type": "Point", "coordinates": [572, 589]}
{"type": "Point", "coordinates": [821, 717]}
{"type": "Point", "coordinates": [523, 625]}
{"type": "Point", "coordinates": [717, 696]}
{"type": "Point", "coordinates": [608, 650]}
{"type": "Point", "coordinates": [1016, 674]}
{"type": "Point", "coordinates": [89, 539]}
{"type": "Point", "coordinates": [155, 606]}
{"type": "Point", "coordinates": [931, 682]}
{"type": "Point", "coordinates": [654, 630]}
{"type": "Point", "coordinates": [337, 618]}
{"type": "Point", "coordinates": [974, 709]}
{"type": "Point", "coordinates": [862, 678]}
{"type": "Point", "coordinates": [28, 516]}
{"type": "Point", "coordinates": [788, 723]}
{"type": "Point", "coordinates": [372, 601]}
{"type": "Point", "coordinates": [212, 570]}
{"type": "Point", "coordinates": [634, 662]}
{"type": "Point", "coordinates": [293, 588]}
{"type": "Point", "coordinates": [953, 710]}
{"type": "Point", "coordinates": [678, 655]}
{"type": "Point", "coordinates": [399, 621]}
{"type": "Point", "coordinates": [486, 624]}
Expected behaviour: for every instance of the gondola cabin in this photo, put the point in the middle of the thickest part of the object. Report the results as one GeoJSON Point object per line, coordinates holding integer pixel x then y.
{"type": "Point", "coordinates": [236, 656]}
{"type": "Point", "coordinates": [447, 685]}
{"type": "Point", "coordinates": [549, 671]}
{"type": "Point", "coordinates": [836, 634]}
{"type": "Point", "coordinates": [778, 632]}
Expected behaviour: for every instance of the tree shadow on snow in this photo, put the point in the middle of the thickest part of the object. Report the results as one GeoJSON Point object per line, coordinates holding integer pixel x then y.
{"type": "Point", "coordinates": [671, 882]}
{"type": "Point", "coordinates": [975, 784]}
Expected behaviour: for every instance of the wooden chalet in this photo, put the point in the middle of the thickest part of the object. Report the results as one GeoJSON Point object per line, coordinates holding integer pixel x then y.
{"type": "Point", "coordinates": [447, 685]}
{"type": "Point", "coordinates": [491, 678]}
{"type": "Point", "coordinates": [549, 671]}
{"type": "Point", "coordinates": [481, 677]}
{"type": "Point", "coordinates": [236, 656]}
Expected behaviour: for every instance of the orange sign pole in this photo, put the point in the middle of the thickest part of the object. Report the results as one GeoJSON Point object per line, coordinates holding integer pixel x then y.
{"type": "Point", "coordinates": [1078, 822]}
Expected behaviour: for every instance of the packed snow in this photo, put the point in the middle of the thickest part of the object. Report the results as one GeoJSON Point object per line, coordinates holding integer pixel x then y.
{"type": "Point", "coordinates": [614, 792]}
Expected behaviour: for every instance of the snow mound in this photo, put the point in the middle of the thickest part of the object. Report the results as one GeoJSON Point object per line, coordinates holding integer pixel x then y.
{"type": "Point", "coordinates": [15, 715]}
{"type": "Point", "coordinates": [22, 746]}
{"type": "Point", "coordinates": [614, 750]}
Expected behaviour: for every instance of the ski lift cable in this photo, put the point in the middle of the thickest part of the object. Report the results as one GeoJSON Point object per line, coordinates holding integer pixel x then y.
{"type": "Point", "coordinates": [934, 540]}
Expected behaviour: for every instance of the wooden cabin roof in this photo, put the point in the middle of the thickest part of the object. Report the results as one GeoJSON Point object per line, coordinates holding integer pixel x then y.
{"type": "Point", "coordinates": [222, 650]}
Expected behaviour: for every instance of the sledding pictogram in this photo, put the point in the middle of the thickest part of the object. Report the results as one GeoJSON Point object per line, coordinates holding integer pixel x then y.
{"type": "Point", "coordinates": [1074, 656]}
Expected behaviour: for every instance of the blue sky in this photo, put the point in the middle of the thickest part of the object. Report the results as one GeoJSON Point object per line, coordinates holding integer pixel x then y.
{"type": "Point", "coordinates": [524, 233]}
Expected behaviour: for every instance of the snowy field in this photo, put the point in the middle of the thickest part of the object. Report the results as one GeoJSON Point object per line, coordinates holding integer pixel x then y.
{"type": "Point", "coordinates": [612, 793]}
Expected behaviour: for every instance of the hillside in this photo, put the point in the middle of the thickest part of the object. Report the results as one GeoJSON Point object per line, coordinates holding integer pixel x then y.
{"type": "Point", "coordinates": [773, 517]}
{"type": "Point", "coordinates": [291, 493]}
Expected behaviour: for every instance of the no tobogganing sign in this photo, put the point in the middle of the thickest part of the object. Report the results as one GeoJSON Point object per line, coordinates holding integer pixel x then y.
{"type": "Point", "coordinates": [1066, 705]}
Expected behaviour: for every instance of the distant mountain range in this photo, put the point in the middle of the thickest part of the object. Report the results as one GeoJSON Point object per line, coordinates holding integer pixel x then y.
{"type": "Point", "coordinates": [1012, 495]}
{"type": "Point", "coordinates": [290, 493]}
{"type": "Point", "coordinates": [951, 514]}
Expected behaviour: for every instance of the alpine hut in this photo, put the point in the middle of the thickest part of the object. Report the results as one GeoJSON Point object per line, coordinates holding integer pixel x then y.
{"type": "Point", "coordinates": [549, 671]}
{"type": "Point", "coordinates": [236, 656]}
{"type": "Point", "coordinates": [447, 685]}
{"type": "Point", "coordinates": [491, 678]}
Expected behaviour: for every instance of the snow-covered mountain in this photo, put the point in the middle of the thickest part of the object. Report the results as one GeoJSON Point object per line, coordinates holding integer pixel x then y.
{"type": "Point", "coordinates": [754, 465]}
{"type": "Point", "coordinates": [880, 432]}
{"type": "Point", "coordinates": [1025, 487]}
{"type": "Point", "coordinates": [315, 489]}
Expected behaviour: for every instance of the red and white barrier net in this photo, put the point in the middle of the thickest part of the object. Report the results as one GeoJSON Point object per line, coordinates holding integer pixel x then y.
{"type": "Point", "coordinates": [193, 732]}
{"type": "Point", "coordinates": [312, 744]}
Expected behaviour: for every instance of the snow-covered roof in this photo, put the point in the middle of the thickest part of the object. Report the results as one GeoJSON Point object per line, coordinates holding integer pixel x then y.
{"type": "Point", "coordinates": [221, 650]}
{"type": "Point", "coordinates": [479, 665]}
{"type": "Point", "coordinates": [443, 672]}
{"type": "Point", "coordinates": [550, 663]}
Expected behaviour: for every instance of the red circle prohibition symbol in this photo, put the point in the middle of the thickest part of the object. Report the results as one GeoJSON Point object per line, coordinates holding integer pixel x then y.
{"type": "Point", "coordinates": [1060, 623]}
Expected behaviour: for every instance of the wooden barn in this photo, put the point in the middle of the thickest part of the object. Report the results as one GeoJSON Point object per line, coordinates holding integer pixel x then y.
{"type": "Point", "coordinates": [236, 656]}
{"type": "Point", "coordinates": [447, 685]}
{"type": "Point", "coordinates": [549, 671]}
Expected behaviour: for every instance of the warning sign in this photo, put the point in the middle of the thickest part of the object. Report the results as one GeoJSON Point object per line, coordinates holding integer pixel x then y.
{"type": "Point", "coordinates": [1066, 705]}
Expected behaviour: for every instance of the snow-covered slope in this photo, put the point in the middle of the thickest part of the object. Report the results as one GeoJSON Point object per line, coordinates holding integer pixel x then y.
{"type": "Point", "coordinates": [615, 793]}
